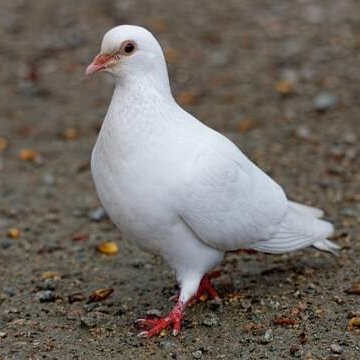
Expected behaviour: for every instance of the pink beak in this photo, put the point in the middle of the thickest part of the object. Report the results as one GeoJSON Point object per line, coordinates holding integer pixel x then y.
{"type": "Point", "coordinates": [99, 63]}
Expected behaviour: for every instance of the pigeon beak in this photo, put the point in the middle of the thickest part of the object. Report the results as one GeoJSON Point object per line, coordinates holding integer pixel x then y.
{"type": "Point", "coordinates": [100, 62]}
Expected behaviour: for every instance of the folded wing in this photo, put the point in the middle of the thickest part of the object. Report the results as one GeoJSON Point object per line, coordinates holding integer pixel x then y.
{"type": "Point", "coordinates": [229, 204]}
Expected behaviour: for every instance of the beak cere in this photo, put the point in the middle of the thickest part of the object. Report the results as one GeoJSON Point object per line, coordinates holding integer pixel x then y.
{"type": "Point", "coordinates": [100, 62]}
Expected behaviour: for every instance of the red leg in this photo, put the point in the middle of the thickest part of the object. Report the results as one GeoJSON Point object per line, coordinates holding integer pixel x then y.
{"type": "Point", "coordinates": [205, 287]}
{"type": "Point", "coordinates": [154, 326]}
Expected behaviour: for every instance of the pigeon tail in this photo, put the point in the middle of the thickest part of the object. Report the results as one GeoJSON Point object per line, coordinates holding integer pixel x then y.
{"type": "Point", "coordinates": [306, 209]}
{"type": "Point", "coordinates": [299, 229]}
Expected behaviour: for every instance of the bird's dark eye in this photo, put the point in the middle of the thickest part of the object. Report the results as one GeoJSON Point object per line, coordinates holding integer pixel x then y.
{"type": "Point", "coordinates": [129, 48]}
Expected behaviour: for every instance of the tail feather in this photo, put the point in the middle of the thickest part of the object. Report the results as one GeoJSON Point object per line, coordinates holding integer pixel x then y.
{"type": "Point", "coordinates": [327, 245]}
{"type": "Point", "coordinates": [299, 229]}
{"type": "Point", "coordinates": [306, 209]}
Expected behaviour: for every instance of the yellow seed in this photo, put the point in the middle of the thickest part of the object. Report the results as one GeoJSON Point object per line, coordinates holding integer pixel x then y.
{"type": "Point", "coordinates": [354, 322]}
{"type": "Point", "coordinates": [70, 134]}
{"type": "Point", "coordinates": [53, 275]}
{"type": "Point", "coordinates": [28, 155]}
{"type": "Point", "coordinates": [108, 248]}
{"type": "Point", "coordinates": [354, 289]}
{"type": "Point", "coordinates": [203, 297]}
{"type": "Point", "coordinates": [284, 87]}
{"type": "Point", "coordinates": [13, 233]}
{"type": "Point", "coordinates": [3, 143]}
{"type": "Point", "coordinates": [245, 125]}
{"type": "Point", "coordinates": [101, 294]}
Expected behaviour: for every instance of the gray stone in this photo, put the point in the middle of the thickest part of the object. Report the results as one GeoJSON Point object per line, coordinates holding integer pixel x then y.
{"type": "Point", "coordinates": [48, 180]}
{"type": "Point", "coordinates": [45, 296]}
{"type": "Point", "coordinates": [211, 320]}
{"type": "Point", "coordinates": [197, 354]}
{"type": "Point", "coordinates": [336, 349]}
{"type": "Point", "coordinates": [97, 214]}
{"type": "Point", "coordinates": [324, 101]}
{"type": "Point", "coordinates": [48, 284]}
{"type": "Point", "coordinates": [268, 337]}
{"type": "Point", "coordinates": [5, 243]}
{"type": "Point", "coordinates": [89, 321]}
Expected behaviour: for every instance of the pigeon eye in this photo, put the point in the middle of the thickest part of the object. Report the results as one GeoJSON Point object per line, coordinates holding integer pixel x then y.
{"type": "Point", "coordinates": [129, 48]}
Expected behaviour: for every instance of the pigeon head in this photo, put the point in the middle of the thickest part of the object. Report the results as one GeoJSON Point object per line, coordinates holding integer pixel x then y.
{"type": "Point", "coordinates": [129, 51]}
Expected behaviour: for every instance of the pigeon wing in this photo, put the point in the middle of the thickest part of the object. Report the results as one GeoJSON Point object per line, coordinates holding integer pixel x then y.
{"type": "Point", "coordinates": [227, 201]}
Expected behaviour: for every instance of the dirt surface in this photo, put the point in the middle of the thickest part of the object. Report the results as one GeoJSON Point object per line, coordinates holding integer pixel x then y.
{"type": "Point", "coordinates": [251, 69]}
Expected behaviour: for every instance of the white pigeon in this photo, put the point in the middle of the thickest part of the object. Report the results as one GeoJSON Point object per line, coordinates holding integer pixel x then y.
{"type": "Point", "coordinates": [178, 188]}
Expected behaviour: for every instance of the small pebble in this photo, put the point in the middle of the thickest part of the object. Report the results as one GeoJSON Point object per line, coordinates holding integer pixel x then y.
{"type": "Point", "coordinates": [308, 356]}
{"type": "Point", "coordinates": [8, 291]}
{"type": "Point", "coordinates": [89, 321]}
{"type": "Point", "coordinates": [97, 214]}
{"type": "Point", "coordinates": [48, 284]}
{"type": "Point", "coordinates": [48, 180]}
{"type": "Point", "coordinates": [3, 334]}
{"type": "Point", "coordinates": [336, 349]}
{"type": "Point", "coordinates": [76, 297]}
{"type": "Point", "coordinates": [324, 101]}
{"type": "Point", "coordinates": [303, 132]}
{"type": "Point", "coordinates": [211, 320]}
{"type": "Point", "coordinates": [91, 306]}
{"type": "Point", "coordinates": [154, 312]}
{"type": "Point", "coordinates": [350, 138]}
{"type": "Point", "coordinates": [268, 337]}
{"type": "Point", "coordinates": [5, 243]}
{"type": "Point", "coordinates": [197, 354]}
{"type": "Point", "coordinates": [45, 296]}
{"type": "Point", "coordinates": [166, 344]}
{"type": "Point", "coordinates": [219, 58]}
{"type": "Point", "coordinates": [290, 75]}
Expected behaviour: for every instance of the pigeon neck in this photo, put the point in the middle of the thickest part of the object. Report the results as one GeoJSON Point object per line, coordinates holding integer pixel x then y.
{"type": "Point", "coordinates": [140, 106]}
{"type": "Point", "coordinates": [135, 95]}
{"type": "Point", "coordinates": [144, 83]}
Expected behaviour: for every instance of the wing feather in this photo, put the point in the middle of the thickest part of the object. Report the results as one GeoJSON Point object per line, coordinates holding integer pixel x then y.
{"type": "Point", "coordinates": [227, 201]}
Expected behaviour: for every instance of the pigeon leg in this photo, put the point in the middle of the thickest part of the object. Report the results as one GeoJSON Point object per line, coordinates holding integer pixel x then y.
{"type": "Point", "coordinates": [155, 325]}
{"type": "Point", "coordinates": [190, 284]}
{"type": "Point", "coordinates": [205, 287]}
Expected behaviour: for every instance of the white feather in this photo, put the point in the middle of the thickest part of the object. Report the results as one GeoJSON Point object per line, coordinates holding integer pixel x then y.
{"type": "Point", "coordinates": [306, 209]}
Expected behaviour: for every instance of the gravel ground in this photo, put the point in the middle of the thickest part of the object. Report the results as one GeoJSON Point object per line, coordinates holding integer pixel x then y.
{"type": "Point", "coordinates": [280, 78]}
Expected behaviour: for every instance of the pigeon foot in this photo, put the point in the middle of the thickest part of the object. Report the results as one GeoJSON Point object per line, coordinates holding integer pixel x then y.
{"type": "Point", "coordinates": [154, 325]}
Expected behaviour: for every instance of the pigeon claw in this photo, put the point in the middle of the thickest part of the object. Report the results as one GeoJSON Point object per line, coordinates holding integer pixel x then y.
{"type": "Point", "coordinates": [154, 326]}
